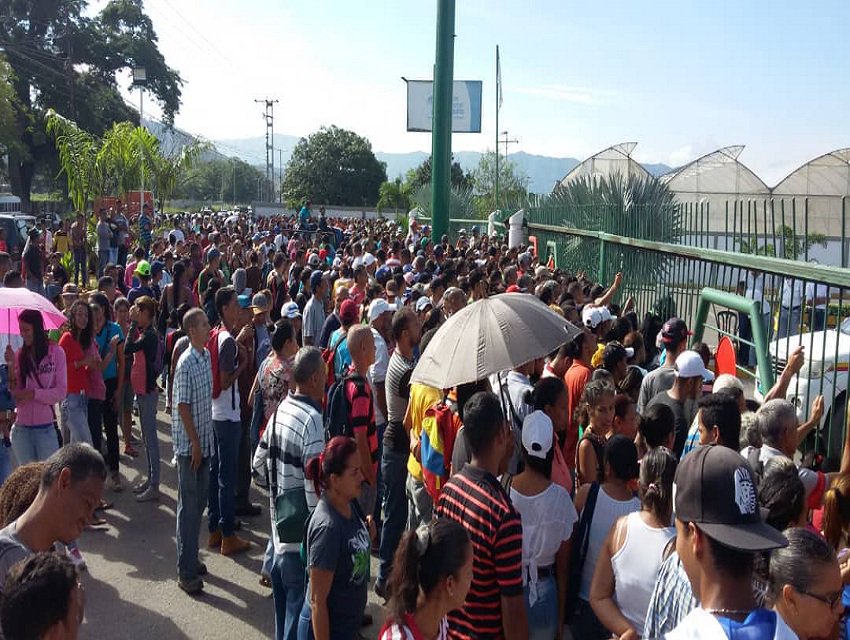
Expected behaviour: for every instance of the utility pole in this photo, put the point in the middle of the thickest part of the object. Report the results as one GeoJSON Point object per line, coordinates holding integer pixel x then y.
{"type": "Point", "coordinates": [280, 173]}
{"type": "Point", "coordinates": [506, 142]}
{"type": "Point", "coordinates": [269, 118]}
{"type": "Point", "coordinates": [441, 126]}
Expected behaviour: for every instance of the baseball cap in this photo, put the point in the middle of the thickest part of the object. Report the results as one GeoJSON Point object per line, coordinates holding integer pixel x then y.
{"type": "Point", "coordinates": [256, 237]}
{"type": "Point", "coordinates": [348, 312]}
{"type": "Point", "coordinates": [212, 254]}
{"type": "Point", "coordinates": [537, 434]}
{"type": "Point", "coordinates": [715, 489]}
{"type": "Point", "coordinates": [689, 365]}
{"type": "Point", "coordinates": [592, 317]}
{"type": "Point", "coordinates": [157, 267]}
{"type": "Point", "coordinates": [675, 331]}
{"type": "Point", "coordinates": [260, 303]}
{"type": "Point", "coordinates": [423, 303]}
{"type": "Point", "coordinates": [378, 307]}
{"type": "Point", "coordinates": [368, 260]}
{"type": "Point", "coordinates": [290, 310]}
{"type": "Point", "coordinates": [313, 260]}
{"type": "Point", "coordinates": [316, 279]}
{"type": "Point", "coordinates": [383, 273]}
{"type": "Point", "coordinates": [143, 268]}
{"type": "Point", "coordinates": [514, 289]}
{"type": "Point", "coordinates": [244, 300]}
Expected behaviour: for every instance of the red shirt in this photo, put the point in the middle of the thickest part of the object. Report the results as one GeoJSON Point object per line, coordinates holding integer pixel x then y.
{"type": "Point", "coordinates": [358, 392]}
{"type": "Point", "coordinates": [78, 378]}
{"type": "Point", "coordinates": [576, 379]}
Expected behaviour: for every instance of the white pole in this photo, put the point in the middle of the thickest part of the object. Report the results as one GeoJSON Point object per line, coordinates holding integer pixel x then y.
{"type": "Point", "coordinates": [142, 124]}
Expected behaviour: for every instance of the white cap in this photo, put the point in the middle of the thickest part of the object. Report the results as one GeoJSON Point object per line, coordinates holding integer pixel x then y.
{"type": "Point", "coordinates": [368, 260]}
{"type": "Point", "coordinates": [290, 310]}
{"type": "Point", "coordinates": [422, 303]}
{"type": "Point", "coordinates": [378, 307]}
{"type": "Point", "coordinates": [689, 365]}
{"type": "Point", "coordinates": [313, 260]}
{"type": "Point", "coordinates": [357, 262]}
{"type": "Point", "coordinates": [537, 434]}
{"type": "Point", "coordinates": [592, 317]}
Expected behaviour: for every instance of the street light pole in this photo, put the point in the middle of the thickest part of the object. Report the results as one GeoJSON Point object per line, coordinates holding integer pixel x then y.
{"type": "Point", "coordinates": [139, 79]}
{"type": "Point", "coordinates": [441, 126]}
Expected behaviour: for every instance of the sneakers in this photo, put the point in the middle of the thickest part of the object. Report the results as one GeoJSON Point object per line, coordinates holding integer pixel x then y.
{"type": "Point", "coordinates": [149, 495]}
{"type": "Point", "coordinates": [191, 586]}
{"type": "Point", "coordinates": [215, 540]}
{"type": "Point", "coordinates": [202, 568]}
{"type": "Point", "coordinates": [231, 545]}
{"type": "Point", "coordinates": [167, 408]}
{"type": "Point", "coordinates": [76, 557]}
{"type": "Point", "coordinates": [113, 483]}
{"type": "Point", "coordinates": [141, 488]}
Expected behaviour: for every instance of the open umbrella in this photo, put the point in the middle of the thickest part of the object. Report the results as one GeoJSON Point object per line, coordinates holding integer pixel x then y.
{"type": "Point", "coordinates": [491, 335]}
{"type": "Point", "coordinates": [13, 301]}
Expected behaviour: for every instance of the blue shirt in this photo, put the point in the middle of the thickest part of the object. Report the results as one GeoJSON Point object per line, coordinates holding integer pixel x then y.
{"type": "Point", "coordinates": [106, 334]}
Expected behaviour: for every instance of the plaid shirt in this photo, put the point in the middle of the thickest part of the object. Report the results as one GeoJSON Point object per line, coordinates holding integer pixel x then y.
{"type": "Point", "coordinates": [672, 599]}
{"type": "Point", "coordinates": [193, 386]}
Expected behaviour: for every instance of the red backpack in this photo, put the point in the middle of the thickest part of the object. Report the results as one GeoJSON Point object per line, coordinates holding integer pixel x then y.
{"type": "Point", "coordinates": [329, 356]}
{"type": "Point", "coordinates": [436, 444]}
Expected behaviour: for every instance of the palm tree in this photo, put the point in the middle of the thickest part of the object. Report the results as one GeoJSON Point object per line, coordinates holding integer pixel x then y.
{"type": "Point", "coordinates": [78, 159]}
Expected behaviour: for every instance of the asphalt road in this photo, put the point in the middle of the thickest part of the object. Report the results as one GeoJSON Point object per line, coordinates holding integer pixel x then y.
{"type": "Point", "coordinates": [131, 588]}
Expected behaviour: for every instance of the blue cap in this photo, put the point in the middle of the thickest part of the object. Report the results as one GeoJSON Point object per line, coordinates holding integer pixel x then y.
{"type": "Point", "coordinates": [382, 273]}
{"type": "Point", "coordinates": [407, 268]}
{"type": "Point", "coordinates": [157, 267]}
{"type": "Point", "coordinates": [316, 279]}
{"type": "Point", "coordinates": [244, 301]}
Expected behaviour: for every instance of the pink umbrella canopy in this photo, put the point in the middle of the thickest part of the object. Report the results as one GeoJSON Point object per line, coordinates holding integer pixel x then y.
{"type": "Point", "coordinates": [14, 301]}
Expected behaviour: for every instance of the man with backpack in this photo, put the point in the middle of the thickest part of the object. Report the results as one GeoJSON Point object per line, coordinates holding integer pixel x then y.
{"type": "Point", "coordinates": [338, 355]}
{"type": "Point", "coordinates": [227, 364]}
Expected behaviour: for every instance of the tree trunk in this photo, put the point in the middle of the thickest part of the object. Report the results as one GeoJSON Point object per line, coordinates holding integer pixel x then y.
{"type": "Point", "coordinates": [20, 176]}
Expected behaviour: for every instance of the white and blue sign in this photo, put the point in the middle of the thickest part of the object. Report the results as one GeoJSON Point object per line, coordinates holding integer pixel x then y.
{"type": "Point", "coordinates": [466, 106]}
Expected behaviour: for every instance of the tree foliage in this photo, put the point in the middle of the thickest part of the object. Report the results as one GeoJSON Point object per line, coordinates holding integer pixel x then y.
{"type": "Point", "coordinates": [334, 166]}
{"type": "Point", "coordinates": [513, 185]}
{"type": "Point", "coordinates": [791, 246]}
{"type": "Point", "coordinates": [421, 175]}
{"type": "Point", "coordinates": [215, 181]}
{"type": "Point", "coordinates": [64, 58]}
{"type": "Point", "coordinates": [395, 194]}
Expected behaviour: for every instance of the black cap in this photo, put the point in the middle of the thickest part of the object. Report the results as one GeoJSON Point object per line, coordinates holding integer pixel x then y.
{"type": "Point", "coordinates": [716, 490]}
{"type": "Point", "coordinates": [675, 331]}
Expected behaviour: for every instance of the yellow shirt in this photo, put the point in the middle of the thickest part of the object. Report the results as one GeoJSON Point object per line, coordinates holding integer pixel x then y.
{"type": "Point", "coordinates": [596, 360]}
{"type": "Point", "coordinates": [422, 398]}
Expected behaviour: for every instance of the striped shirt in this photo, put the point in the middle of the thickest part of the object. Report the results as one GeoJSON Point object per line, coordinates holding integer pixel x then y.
{"type": "Point", "coordinates": [193, 386]}
{"type": "Point", "coordinates": [358, 392]}
{"type": "Point", "coordinates": [476, 500]}
{"type": "Point", "coordinates": [294, 435]}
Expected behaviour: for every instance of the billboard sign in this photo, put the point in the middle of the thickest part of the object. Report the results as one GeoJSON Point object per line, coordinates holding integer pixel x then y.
{"type": "Point", "coordinates": [466, 106]}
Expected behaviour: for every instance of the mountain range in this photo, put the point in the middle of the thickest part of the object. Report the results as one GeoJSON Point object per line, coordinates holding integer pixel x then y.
{"type": "Point", "coordinates": [542, 171]}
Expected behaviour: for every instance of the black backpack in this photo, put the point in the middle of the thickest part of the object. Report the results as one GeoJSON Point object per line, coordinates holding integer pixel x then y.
{"type": "Point", "coordinates": [581, 541]}
{"type": "Point", "coordinates": [337, 417]}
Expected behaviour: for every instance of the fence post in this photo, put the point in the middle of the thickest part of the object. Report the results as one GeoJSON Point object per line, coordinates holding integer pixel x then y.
{"type": "Point", "coordinates": [600, 277]}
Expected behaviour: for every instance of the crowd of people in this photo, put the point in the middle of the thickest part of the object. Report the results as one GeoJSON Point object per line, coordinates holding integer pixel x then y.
{"type": "Point", "coordinates": [611, 488]}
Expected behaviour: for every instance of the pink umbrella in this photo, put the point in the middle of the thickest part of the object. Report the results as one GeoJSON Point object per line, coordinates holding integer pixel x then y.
{"type": "Point", "coordinates": [13, 301]}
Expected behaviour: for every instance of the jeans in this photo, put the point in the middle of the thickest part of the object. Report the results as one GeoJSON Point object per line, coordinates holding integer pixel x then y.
{"type": "Point", "coordinates": [379, 483]}
{"type": "Point", "coordinates": [222, 500]}
{"type": "Point", "coordinates": [268, 558]}
{"type": "Point", "coordinates": [110, 425]}
{"type": "Point", "coordinates": [257, 418]}
{"type": "Point", "coordinates": [420, 504]}
{"type": "Point", "coordinates": [34, 443]}
{"type": "Point", "coordinates": [147, 420]}
{"type": "Point", "coordinates": [192, 487]}
{"type": "Point", "coordinates": [817, 319]}
{"type": "Point", "coordinates": [243, 466]}
{"type": "Point", "coordinates": [305, 626]}
{"type": "Point", "coordinates": [393, 475]}
{"type": "Point", "coordinates": [288, 590]}
{"type": "Point", "coordinates": [80, 265]}
{"type": "Point", "coordinates": [75, 417]}
{"type": "Point", "coordinates": [95, 420]}
{"type": "Point", "coordinates": [543, 615]}
{"type": "Point", "coordinates": [5, 463]}
{"type": "Point", "coordinates": [789, 321]}
{"type": "Point", "coordinates": [122, 255]}
{"type": "Point", "coordinates": [102, 260]}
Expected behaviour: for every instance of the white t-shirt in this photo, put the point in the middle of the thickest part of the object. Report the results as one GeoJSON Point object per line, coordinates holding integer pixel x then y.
{"type": "Point", "coordinates": [226, 406]}
{"type": "Point", "coordinates": [547, 521]}
{"type": "Point", "coordinates": [814, 291]}
{"type": "Point", "coordinates": [699, 624]}
{"type": "Point", "coordinates": [378, 373]}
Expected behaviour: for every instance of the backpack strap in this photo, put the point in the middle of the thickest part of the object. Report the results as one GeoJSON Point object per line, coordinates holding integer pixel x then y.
{"type": "Point", "coordinates": [586, 520]}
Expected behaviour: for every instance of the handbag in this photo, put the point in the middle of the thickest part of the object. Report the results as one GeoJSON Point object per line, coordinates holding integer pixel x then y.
{"type": "Point", "coordinates": [7, 402]}
{"type": "Point", "coordinates": [290, 505]}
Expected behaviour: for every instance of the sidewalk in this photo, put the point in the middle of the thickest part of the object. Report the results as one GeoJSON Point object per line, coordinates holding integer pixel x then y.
{"type": "Point", "coordinates": [131, 590]}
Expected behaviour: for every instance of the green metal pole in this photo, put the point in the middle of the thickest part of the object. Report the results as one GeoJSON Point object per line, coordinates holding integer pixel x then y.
{"type": "Point", "coordinates": [498, 72]}
{"type": "Point", "coordinates": [441, 129]}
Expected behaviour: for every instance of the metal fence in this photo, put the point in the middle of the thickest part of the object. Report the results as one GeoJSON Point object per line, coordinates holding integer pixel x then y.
{"type": "Point", "coordinates": [759, 249]}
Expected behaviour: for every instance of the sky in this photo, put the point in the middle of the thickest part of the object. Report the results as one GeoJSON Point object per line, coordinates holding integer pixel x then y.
{"type": "Point", "coordinates": [680, 78]}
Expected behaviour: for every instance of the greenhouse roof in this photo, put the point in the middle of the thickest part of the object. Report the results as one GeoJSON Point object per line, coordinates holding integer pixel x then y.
{"type": "Point", "coordinates": [718, 172]}
{"type": "Point", "coordinates": [826, 175]}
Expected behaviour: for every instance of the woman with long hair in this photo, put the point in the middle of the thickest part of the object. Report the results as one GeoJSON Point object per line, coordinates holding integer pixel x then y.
{"type": "Point", "coordinates": [634, 549]}
{"type": "Point", "coordinates": [121, 309]}
{"type": "Point", "coordinates": [39, 381]}
{"type": "Point", "coordinates": [142, 343]}
{"type": "Point", "coordinates": [596, 412]}
{"type": "Point", "coordinates": [431, 575]}
{"type": "Point", "coordinates": [80, 355]}
{"type": "Point", "coordinates": [174, 294]}
{"type": "Point", "coordinates": [548, 517]}
{"type": "Point", "coordinates": [550, 396]}
{"type": "Point", "coordinates": [338, 546]}
{"type": "Point", "coordinates": [109, 338]}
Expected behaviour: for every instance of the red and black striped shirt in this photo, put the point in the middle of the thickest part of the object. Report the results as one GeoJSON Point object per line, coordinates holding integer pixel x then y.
{"type": "Point", "coordinates": [476, 500]}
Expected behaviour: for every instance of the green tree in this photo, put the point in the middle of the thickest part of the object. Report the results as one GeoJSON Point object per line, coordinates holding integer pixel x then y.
{"type": "Point", "coordinates": [513, 185]}
{"type": "Point", "coordinates": [421, 175]}
{"type": "Point", "coordinates": [394, 194]}
{"type": "Point", "coordinates": [8, 138]}
{"type": "Point", "coordinates": [334, 166]}
{"type": "Point", "coordinates": [791, 246]}
{"type": "Point", "coordinates": [64, 58]}
{"type": "Point", "coordinates": [215, 180]}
